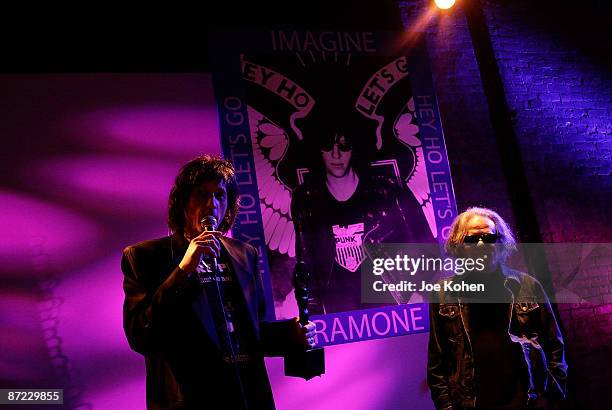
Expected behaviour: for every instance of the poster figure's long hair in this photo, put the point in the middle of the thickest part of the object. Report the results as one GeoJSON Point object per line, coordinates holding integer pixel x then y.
{"type": "Point", "coordinates": [458, 229]}
{"type": "Point", "coordinates": [193, 174]}
{"type": "Point", "coordinates": [330, 118]}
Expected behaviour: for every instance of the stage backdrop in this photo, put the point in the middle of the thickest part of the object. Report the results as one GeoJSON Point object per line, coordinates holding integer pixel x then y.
{"type": "Point", "coordinates": [92, 159]}
{"type": "Point", "coordinates": [283, 96]}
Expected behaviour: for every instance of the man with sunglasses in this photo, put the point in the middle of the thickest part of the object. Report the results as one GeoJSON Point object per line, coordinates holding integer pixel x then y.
{"type": "Point", "coordinates": [501, 349]}
{"type": "Point", "coordinates": [341, 178]}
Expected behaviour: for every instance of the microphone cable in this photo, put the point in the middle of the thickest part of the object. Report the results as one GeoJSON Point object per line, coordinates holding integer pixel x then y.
{"type": "Point", "coordinates": [210, 223]}
{"type": "Point", "coordinates": [228, 336]}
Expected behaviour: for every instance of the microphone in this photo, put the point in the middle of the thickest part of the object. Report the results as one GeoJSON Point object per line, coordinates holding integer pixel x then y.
{"type": "Point", "coordinates": [209, 223]}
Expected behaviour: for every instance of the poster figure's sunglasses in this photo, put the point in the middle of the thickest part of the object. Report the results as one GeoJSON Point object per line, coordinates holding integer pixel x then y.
{"type": "Point", "coordinates": [484, 237]}
{"type": "Point", "coordinates": [340, 140]}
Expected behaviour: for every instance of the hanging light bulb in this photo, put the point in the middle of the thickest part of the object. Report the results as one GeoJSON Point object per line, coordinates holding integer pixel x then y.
{"type": "Point", "coordinates": [445, 4]}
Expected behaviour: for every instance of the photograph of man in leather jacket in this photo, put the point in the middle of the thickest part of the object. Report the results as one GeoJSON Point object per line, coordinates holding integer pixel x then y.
{"type": "Point", "coordinates": [502, 350]}
{"type": "Point", "coordinates": [344, 203]}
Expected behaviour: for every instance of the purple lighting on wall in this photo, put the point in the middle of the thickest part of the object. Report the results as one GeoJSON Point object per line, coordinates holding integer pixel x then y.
{"type": "Point", "coordinates": [172, 130]}
{"type": "Point", "coordinates": [20, 333]}
{"type": "Point", "coordinates": [360, 376]}
{"type": "Point", "coordinates": [97, 345]}
{"type": "Point", "coordinates": [101, 182]}
{"type": "Point", "coordinates": [40, 230]}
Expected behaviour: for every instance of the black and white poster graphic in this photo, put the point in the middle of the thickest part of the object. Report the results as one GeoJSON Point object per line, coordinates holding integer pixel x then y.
{"type": "Point", "coordinates": [337, 142]}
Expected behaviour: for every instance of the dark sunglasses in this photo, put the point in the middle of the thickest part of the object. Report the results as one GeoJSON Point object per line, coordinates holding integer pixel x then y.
{"type": "Point", "coordinates": [344, 147]}
{"type": "Point", "coordinates": [484, 237]}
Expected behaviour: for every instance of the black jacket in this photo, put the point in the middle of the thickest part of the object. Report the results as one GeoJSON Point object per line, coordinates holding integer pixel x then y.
{"type": "Point", "coordinates": [388, 214]}
{"type": "Point", "coordinates": [166, 318]}
{"type": "Point", "coordinates": [532, 324]}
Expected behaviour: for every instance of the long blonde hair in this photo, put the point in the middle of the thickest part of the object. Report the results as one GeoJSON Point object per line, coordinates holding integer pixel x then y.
{"type": "Point", "coordinates": [458, 229]}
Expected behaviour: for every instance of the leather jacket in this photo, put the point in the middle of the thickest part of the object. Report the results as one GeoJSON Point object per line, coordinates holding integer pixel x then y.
{"type": "Point", "coordinates": [167, 318]}
{"type": "Point", "coordinates": [532, 324]}
{"type": "Point", "coordinates": [378, 203]}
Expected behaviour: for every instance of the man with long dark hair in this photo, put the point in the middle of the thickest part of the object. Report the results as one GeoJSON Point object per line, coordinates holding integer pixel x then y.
{"type": "Point", "coordinates": [345, 204]}
{"type": "Point", "coordinates": [195, 304]}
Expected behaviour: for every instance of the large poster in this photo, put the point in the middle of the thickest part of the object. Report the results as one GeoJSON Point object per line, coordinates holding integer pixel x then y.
{"type": "Point", "coordinates": [337, 143]}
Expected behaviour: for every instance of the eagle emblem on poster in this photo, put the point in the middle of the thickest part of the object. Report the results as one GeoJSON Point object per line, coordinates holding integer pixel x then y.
{"type": "Point", "coordinates": [349, 245]}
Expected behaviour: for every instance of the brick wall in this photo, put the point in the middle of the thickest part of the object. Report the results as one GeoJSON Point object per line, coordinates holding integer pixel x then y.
{"type": "Point", "coordinates": [554, 62]}
{"type": "Point", "coordinates": [559, 90]}
{"type": "Point", "coordinates": [474, 159]}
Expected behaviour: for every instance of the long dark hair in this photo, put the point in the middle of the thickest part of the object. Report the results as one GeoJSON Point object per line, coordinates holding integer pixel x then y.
{"type": "Point", "coordinates": [333, 117]}
{"type": "Point", "coordinates": [193, 174]}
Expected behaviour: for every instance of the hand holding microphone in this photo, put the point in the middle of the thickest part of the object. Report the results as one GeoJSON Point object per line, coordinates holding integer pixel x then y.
{"type": "Point", "coordinates": [209, 225]}
{"type": "Point", "coordinates": [204, 246]}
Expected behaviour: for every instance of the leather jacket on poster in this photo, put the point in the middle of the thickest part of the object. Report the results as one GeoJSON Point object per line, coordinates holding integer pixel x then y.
{"type": "Point", "coordinates": [388, 215]}
{"type": "Point", "coordinates": [450, 367]}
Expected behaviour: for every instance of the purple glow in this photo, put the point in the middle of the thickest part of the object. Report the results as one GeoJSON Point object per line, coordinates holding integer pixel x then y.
{"type": "Point", "coordinates": [176, 130]}
{"type": "Point", "coordinates": [20, 334]}
{"type": "Point", "coordinates": [93, 338]}
{"type": "Point", "coordinates": [98, 342]}
{"type": "Point", "coordinates": [102, 182]}
{"type": "Point", "coordinates": [128, 394]}
{"type": "Point", "coordinates": [95, 293]}
{"type": "Point", "coordinates": [366, 375]}
{"type": "Point", "coordinates": [42, 235]}
{"type": "Point", "coordinates": [109, 173]}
